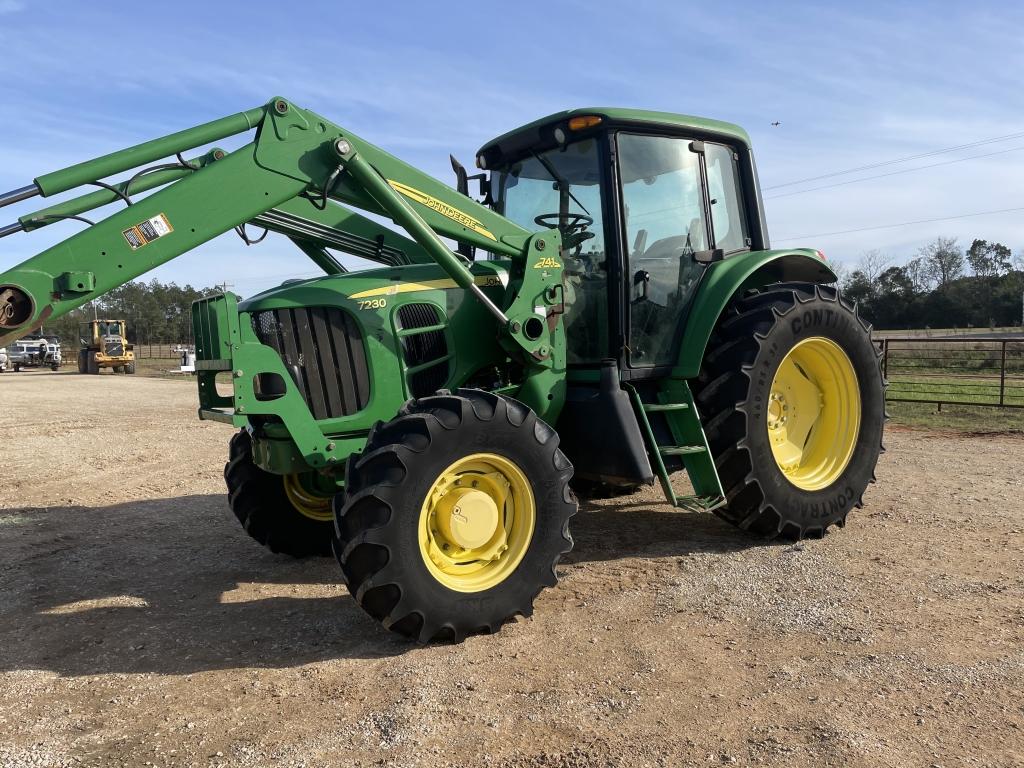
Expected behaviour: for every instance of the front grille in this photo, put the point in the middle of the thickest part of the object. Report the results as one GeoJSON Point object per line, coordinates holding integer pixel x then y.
{"type": "Point", "coordinates": [420, 349]}
{"type": "Point", "coordinates": [322, 348]}
{"type": "Point", "coordinates": [114, 348]}
{"type": "Point", "coordinates": [412, 316]}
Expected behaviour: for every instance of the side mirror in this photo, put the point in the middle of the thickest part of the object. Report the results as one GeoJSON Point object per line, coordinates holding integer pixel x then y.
{"type": "Point", "coordinates": [706, 257]}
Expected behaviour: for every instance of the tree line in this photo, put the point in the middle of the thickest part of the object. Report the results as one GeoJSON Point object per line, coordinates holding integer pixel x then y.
{"type": "Point", "coordinates": [157, 313]}
{"type": "Point", "coordinates": [942, 286]}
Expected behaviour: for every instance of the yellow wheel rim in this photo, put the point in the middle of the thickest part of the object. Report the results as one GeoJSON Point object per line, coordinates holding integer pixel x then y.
{"type": "Point", "coordinates": [307, 501]}
{"type": "Point", "coordinates": [814, 413]}
{"type": "Point", "coordinates": [476, 522]}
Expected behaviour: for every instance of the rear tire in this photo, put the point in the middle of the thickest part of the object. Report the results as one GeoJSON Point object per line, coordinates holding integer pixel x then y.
{"type": "Point", "coordinates": [741, 406]}
{"type": "Point", "coordinates": [260, 502]}
{"type": "Point", "coordinates": [92, 366]}
{"type": "Point", "coordinates": [439, 451]}
{"type": "Point", "coordinates": [129, 368]}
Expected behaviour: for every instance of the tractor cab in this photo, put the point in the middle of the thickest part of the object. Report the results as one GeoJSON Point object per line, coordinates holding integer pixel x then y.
{"type": "Point", "coordinates": [645, 201]}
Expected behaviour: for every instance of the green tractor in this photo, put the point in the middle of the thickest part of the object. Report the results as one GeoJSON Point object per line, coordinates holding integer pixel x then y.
{"type": "Point", "coordinates": [611, 307]}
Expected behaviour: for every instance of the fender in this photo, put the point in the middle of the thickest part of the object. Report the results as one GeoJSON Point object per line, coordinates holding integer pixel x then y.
{"type": "Point", "coordinates": [725, 279]}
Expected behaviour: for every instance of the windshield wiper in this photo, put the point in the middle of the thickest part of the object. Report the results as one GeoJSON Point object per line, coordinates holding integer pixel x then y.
{"type": "Point", "coordinates": [558, 179]}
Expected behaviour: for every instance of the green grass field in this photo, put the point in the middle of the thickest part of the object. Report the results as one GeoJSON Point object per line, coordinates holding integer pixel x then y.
{"type": "Point", "coordinates": [160, 367]}
{"type": "Point", "coordinates": [961, 374]}
{"type": "Point", "coordinates": [957, 418]}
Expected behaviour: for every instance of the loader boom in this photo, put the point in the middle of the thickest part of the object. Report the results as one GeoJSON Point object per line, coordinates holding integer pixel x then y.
{"type": "Point", "coordinates": [290, 179]}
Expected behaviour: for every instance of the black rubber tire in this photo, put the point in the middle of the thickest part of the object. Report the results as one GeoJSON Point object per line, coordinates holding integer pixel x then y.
{"type": "Point", "coordinates": [17, 368]}
{"type": "Point", "coordinates": [129, 368]}
{"type": "Point", "coordinates": [751, 339]}
{"type": "Point", "coordinates": [91, 365]}
{"type": "Point", "coordinates": [81, 361]}
{"type": "Point", "coordinates": [259, 502]}
{"type": "Point", "coordinates": [377, 516]}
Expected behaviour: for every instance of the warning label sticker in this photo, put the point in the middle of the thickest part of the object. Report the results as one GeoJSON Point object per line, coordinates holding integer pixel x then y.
{"type": "Point", "coordinates": [148, 231]}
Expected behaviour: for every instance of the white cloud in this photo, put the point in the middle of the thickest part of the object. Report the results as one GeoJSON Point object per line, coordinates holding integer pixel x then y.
{"type": "Point", "coordinates": [11, 6]}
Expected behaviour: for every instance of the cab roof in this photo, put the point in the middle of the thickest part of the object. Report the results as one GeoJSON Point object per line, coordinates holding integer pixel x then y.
{"type": "Point", "coordinates": [541, 131]}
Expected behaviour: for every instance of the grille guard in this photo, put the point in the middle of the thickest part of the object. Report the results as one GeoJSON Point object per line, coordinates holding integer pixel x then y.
{"type": "Point", "coordinates": [226, 342]}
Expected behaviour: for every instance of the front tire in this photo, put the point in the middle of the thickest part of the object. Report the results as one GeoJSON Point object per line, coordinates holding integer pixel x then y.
{"type": "Point", "coordinates": [266, 505]}
{"type": "Point", "coordinates": [454, 515]}
{"type": "Point", "coordinates": [791, 397]}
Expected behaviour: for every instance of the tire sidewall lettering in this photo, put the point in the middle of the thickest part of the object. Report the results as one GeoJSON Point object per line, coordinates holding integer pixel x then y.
{"type": "Point", "coordinates": [814, 317]}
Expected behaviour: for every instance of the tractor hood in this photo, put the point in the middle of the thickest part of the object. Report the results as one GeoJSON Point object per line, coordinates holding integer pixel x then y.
{"type": "Point", "coordinates": [357, 290]}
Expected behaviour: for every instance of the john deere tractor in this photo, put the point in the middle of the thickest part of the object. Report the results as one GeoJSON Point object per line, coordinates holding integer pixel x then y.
{"type": "Point", "coordinates": [611, 307]}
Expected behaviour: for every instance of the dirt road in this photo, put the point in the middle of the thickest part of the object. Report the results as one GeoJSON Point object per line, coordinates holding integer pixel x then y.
{"type": "Point", "coordinates": [139, 625]}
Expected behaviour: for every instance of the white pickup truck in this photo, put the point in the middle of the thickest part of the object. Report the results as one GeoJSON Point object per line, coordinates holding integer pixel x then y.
{"type": "Point", "coordinates": [35, 353]}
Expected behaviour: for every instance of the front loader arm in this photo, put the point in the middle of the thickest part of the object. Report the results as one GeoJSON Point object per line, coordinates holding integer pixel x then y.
{"type": "Point", "coordinates": [287, 179]}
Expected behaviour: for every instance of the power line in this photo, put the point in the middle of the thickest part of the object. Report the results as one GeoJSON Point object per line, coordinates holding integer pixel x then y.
{"type": "Point", "coordinates": [900, 224]}
{"type": "Point", "coordinates": [892, 173]}
{"type": "Point", "coordinates": [908, 158]}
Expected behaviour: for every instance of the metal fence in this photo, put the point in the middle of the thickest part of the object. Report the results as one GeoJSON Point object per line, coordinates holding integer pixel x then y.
{"type": "Point", "coordinates": [954, 371]}
{"type": "Point", "coordinates": [157, 350]}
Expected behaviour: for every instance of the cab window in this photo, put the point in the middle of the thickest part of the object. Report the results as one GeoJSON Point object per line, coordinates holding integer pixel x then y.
{"type": "Point", "coordinates": [561, 188]}
{"type": "Point", "coordinates": [666, 224]}
{"type": "Point", "coordinates": [727, 215]}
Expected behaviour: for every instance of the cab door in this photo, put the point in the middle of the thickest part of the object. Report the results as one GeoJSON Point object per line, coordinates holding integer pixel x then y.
{"type": "Point", "coordinates": [680, 208]}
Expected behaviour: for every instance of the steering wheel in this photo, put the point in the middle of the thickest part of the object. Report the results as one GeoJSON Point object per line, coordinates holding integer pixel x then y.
{"type": "Point", "coordinates": [575, 228]}
{"type": "Point", "coordinates": [573, 221]}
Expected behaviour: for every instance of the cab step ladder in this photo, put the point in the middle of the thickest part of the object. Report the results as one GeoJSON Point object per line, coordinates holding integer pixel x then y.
{"type": "Point", "coordinates": [675, 404]}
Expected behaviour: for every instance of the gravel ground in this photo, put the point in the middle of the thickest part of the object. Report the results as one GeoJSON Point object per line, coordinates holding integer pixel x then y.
{"type": "Point", "coordinates": [139, 626]}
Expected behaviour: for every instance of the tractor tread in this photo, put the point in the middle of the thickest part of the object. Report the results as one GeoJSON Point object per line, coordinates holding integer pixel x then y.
{"type": "Point", "coordinates": [720, 392]}
{"type": "Point", "coordinates": [369, 518]}
{"type": "Point", "coordinates": [258, 500]}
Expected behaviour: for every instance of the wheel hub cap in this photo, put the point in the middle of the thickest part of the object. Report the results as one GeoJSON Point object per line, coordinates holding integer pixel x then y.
{"type": "Point", "coordinates": [476, 522]}
{"type": "Point", "coordinates": [310, 503]}
{"type": "Point", "coordinates": [467, 517]}
{"type": "Point", "coordinates": [813, 414]}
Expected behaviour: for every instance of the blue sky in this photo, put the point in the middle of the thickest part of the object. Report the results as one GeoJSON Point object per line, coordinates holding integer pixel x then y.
{"type": "Point", "coordinates": [851, 85]}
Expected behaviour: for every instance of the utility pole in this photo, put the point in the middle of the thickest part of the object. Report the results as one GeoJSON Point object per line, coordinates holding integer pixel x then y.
{"type": "Point", "coordinates": [224, 287]}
